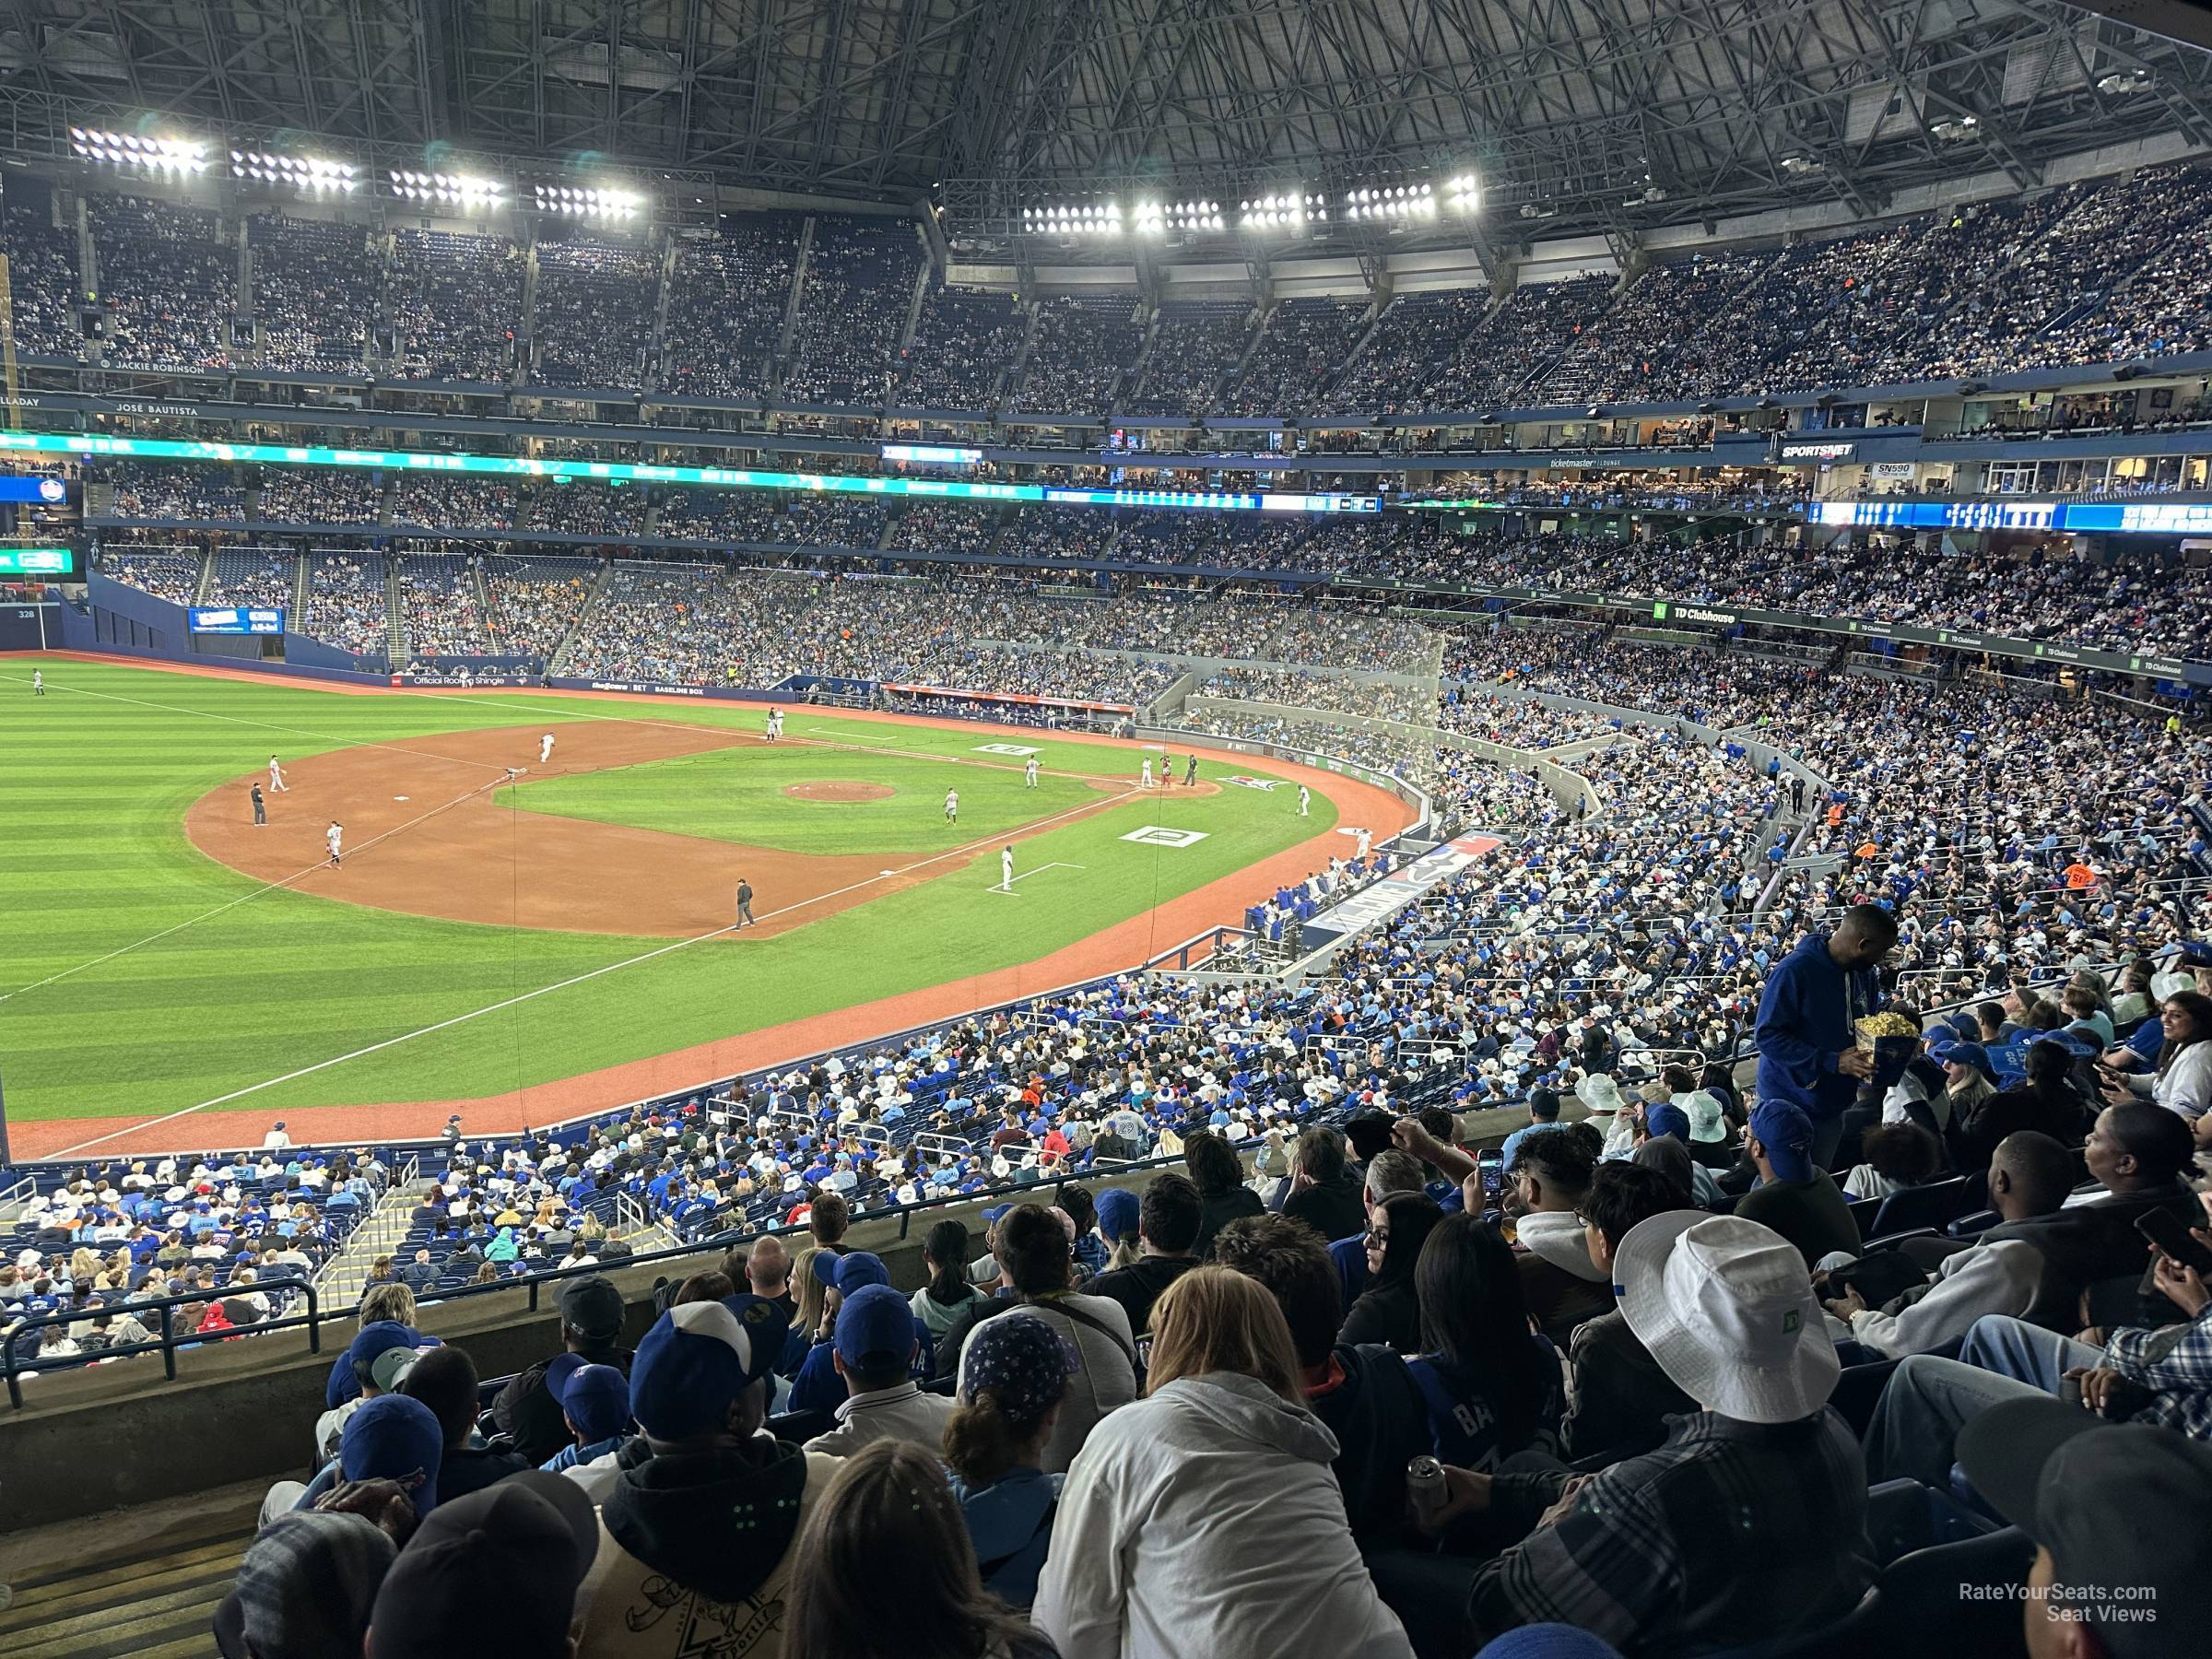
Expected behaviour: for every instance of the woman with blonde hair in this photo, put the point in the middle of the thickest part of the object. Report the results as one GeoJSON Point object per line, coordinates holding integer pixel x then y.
{"type": "Point", "coordinates": [888, 1522]}
{"type": "Point", "coordinates": [1206, 1518]}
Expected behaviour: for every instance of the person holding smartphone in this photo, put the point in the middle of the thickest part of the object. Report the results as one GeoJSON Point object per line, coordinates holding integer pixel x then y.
{"type": "Point", "coordinates": [2183, 1079]}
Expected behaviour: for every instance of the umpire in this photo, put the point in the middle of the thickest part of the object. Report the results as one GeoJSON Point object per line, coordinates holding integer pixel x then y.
{"type": "Point", "coordinates": [744, 905]}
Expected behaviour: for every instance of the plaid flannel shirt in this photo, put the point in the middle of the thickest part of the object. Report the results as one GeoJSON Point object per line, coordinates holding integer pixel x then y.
{"type": "Point", "coordinates": [1729, 1533]}
{"type": "Point", "coordinates": [2176, 1363]}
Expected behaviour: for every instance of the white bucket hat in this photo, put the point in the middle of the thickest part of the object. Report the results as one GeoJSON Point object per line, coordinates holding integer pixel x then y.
{"type": "Point", "coordinates": [1599, 1093]}
{"type": "Point", "coordinates": [1708, 1121]}
{"type": "Point", "coordinates": [1726, 1308]}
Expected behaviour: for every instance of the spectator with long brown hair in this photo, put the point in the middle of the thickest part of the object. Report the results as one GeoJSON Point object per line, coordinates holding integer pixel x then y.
{"type": "Point", "coordinates": [888, 1523]}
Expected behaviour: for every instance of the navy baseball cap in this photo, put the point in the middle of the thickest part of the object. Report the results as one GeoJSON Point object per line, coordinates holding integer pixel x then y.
{"type": "Point", "coordinates": [695, 1362]}
{"type": "Point", "coordinates": [850, 1272]}
{"type": "Point", "coordinates": [1665, 1118]}
{"type": "Point", "coordinates": [1787, 1134]}
{"type": "Point", "coordinates": [875, 1327]}
{"type": "Point", "coordinates": [395, 1437]}
{"type": "Point", "coordinates": [382, 1352]}
{"type": "Point", "coordinates": [595, 1397]}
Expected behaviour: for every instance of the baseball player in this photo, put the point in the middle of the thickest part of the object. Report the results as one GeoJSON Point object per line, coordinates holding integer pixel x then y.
{"type": "Point", "coordinates": [38, 682]}
{"type": "Point", "coordinates": [1146, 782]}
{"type": "Point", "coordinates": [952, 806]}
{"type": "Point", "coordinates": [334, 835]}
{"type": "Point", "coordinates": [1305, 801]}
{"type": "Point", "coordinates": [1365, 836]}
{"type": "Point", "coordinates": [261, 810]}
{"type": "Point", "coordinates": [1029, 773]}
{"type": "Point", "coordinates": [277, 783]}
{"type": "Point", "coordinates": [1190, 770]}
{"type": "Point", "coordinates": [1005, 868]}
{"type": "Point", "coordinates": [545, 748]}
{"type": "Point", "coordinates": [776, 725]}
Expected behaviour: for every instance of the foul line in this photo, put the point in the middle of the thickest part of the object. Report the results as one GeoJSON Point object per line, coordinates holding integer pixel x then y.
{"type": "Point", "coordinates": [458, 1019]}
{"type": "Point", "coordinates": [265, 888]}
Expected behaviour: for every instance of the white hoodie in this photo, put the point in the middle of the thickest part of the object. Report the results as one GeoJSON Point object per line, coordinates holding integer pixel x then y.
{"type": "Point", "coordinates": [1206, 1520]}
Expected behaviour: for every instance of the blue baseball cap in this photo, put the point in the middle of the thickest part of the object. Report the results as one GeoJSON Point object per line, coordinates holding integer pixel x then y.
{"type": "Point", "coordinates": [395, 1437]}
{"type": "Point", "coordinates": [1787, 1134]}
{"type": "Point", "coordinates": [695, 1362]}
{"type": "Point", "coordinates": [1117, 1208]}
{"type": "Point", "coordinates": [1549, 1641]}
{"type": "Point", "coordinates": [849, 1272]}
{"type": "Point", "coordinates": [1664, 1117]}
{"type": "Point", "coordinates": [1970, 1053]}
{"type": "Point", "coordinates": [991, 1215]}
{"type": "Point", "coordinates": [875, 1327]}
{"type": "Point", "coordinates": [382, 1352]}
{"type": "Point", "coordinates": [596, 1398]}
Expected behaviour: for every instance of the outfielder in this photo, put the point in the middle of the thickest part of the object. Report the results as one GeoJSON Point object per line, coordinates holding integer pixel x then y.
{"type": "Point", "coordinates": [1005, 868]}
{"type": "Point", "coordinates": [334, 835]}
{"type": "Point", "coordinates": [1305, 800]}
{"type": "Point", "coordinates": [38, 682]}
{"type": "Point", "coordinates": [1028, 774]}
{"type": "Point", "coordinates": [545, 748]}
{"type": "Point", "coordinates": [952, 806]}
{"type": "Point", "coordinates": [277, 783]}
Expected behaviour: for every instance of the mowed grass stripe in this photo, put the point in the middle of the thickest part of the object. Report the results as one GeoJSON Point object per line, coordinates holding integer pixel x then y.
{"type": "Point", "coordinates": [92, 796]}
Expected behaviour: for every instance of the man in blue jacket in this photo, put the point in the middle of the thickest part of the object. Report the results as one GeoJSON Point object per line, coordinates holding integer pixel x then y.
{"type": "Point", "coordinates": [1809, 1053]}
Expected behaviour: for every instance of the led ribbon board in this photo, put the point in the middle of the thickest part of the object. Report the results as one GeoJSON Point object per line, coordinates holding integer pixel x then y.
{"type": "Point", "coordinates": [626, 472]}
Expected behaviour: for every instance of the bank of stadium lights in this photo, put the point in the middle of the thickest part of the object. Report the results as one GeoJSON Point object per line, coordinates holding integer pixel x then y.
{"type": "Point", "coordinates": [130, 149]}
{"type": "Point", "coordinates": [587, 204]}
{"type": "Point", "coordinates": [310, 173]}
{"type": "Point", "coordinates": [1286, 211]}
{"type": "Point", "coordinates": [1154, 220]}
{"type": "Point", "coordinates": [1397, 202]}
{"type": "Point", "coordinates": [1090, 219]}
{"type": "Point", "coordinates": [1463, 194]}
{"type": "Point", "coordinates": [450, 190]}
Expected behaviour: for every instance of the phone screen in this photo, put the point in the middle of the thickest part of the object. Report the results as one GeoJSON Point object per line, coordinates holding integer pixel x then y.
{"type": "Point", "coordinates": [2167, 1231]}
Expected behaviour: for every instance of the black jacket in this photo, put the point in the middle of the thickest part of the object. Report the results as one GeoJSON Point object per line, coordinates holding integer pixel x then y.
{"type": "Point", "coordinates": [1218, 1211]}
{"type": "Point", "coordinates": [528, 1415]}
{"type": "Point", "coordinates": [1331, 1208]}
{"type": "Point", "coordinates": [1381, 1421]}
{"type": "Point", "coordinates": [1389, 1314]}
{"type": "Point", "coordinates": [718, 1522]}
{"type": "Point", "coordinates": [1139, 1285]}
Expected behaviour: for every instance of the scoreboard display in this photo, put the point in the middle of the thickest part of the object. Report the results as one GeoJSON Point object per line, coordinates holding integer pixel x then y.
{"type": "Point", "coordinates": [51, 562]}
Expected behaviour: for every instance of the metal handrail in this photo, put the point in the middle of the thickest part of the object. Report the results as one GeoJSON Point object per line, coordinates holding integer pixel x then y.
{"type": "Point", "coordinates": [169, 1341]}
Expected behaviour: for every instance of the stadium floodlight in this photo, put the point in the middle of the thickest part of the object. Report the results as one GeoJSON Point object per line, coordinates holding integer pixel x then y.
{"type": "Point", "coordinates": [1463, 194]}
{"type": "Point", "coordinates": [301, 172]}
{"type": "Point", "coordinates": [450, 190]}
{"type": "Point", "coordinates": [1074, 219]}
{"type": "Point", "coordinates": [131, 150]}
{"type": "Point", "coordinates": [1401, 203]}
{"type": "Point", "coordinates": [587, 203]}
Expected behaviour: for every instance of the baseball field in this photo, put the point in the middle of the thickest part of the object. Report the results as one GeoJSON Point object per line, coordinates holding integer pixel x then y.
{"type": "Point", "coordinates": [527, 939]}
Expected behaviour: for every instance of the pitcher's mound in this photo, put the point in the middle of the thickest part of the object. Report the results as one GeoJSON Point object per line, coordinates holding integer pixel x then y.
{"type": "Point", "coordinates": [838, 792]}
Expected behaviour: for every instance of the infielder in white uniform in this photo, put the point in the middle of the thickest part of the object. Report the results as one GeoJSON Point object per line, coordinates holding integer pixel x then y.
{"type": "Point", "coordinates": [545, 748]}
{"type": "Point", "coordinates": [952, 806]}
{"type": "Point", "coordinates": [1147, 782]}
{"type": "Point", "coordinates": [1005, 868]}
{"type": "Point", "coordinates": [277, 777]}
{"type": "Point", "coordinates": [1029, 773]}
{"type": "Point", "coordinates": [776, 725]}
{"type": "Point", "coordinates": [1366, 836]}
{"type": "Point", "coordinates": [333, 835]}
{"type": "Point", "coordinates": [1305, 800]}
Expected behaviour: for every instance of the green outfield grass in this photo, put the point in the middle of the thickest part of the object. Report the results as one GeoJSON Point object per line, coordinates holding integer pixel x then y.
{"type": "Point", "coordinates": [96, 777]}
{"type": "Point", "coordinates": [738, 795]}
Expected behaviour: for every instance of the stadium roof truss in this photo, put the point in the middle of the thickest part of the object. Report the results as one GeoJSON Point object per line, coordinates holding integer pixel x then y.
{"type": "Point", "coordinates": [1601, 114]}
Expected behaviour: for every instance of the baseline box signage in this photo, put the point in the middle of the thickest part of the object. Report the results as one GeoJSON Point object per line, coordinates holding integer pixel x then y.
{"type": "Point", "coordinates": [234, 619]}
